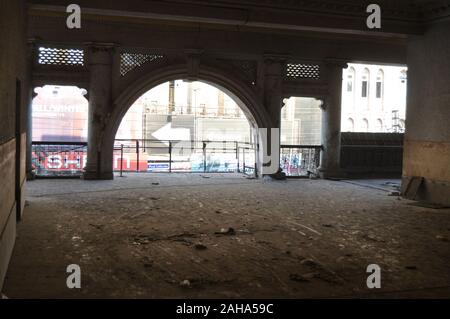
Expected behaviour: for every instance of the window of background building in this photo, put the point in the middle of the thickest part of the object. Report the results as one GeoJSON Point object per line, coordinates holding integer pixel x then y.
{"type": "Point", "coordinates": [377, 91]}
{"type": "Point", "coordinates": [380, 125]}
{"type": "Point", "coordinates": [350, 125]}
{"type": "Point", "coordinates": [380, 78]}
{"type": "Point", "coordinates": [364, 89]}
{"type": "Point", "coordinates": [365, 125]}
{"type": "Point", "coordinates": [350, 80]}
{"type": "Point", "coordinates": [365, 84]}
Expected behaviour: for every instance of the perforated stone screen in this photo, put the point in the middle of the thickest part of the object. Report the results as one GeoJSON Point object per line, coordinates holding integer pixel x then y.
{"type": "Point", "coordinates": [130, 61]}
{"type": "Point", "coordinates": [55, 56]}
{"type": "Point", "coordinates": [303, 71]}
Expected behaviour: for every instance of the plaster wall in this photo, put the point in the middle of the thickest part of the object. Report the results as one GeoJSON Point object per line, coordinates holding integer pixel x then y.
{"type": "Point", "coordinates": [427, 140]}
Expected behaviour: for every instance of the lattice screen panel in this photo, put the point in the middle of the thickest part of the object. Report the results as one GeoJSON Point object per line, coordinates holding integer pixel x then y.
{"type": "Point", "coordinates": [55, 56]}
{"type": "Point", "coordinates": [303, 71]}
{"type": "Point", "coordinates": [130, 61]}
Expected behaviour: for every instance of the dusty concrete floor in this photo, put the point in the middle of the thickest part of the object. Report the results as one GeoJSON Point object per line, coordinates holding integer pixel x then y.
{"type": "Point", "coordinates": [142, 235]}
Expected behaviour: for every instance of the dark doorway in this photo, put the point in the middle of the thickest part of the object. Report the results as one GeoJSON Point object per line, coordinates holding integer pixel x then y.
{"type": "Point", "coordinates": [18, 135]}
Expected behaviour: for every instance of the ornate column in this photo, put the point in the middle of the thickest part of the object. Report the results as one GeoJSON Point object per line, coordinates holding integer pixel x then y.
{"type": "Point", "coordinates": [331, 121]}
{"type": "Point", "coordinates": [100, 155]}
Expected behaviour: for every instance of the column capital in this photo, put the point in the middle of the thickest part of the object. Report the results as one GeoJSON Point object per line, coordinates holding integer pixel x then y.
{"type": "Point", "coordinates": [99, 53]}
{"type": "Point", "coordinates": [336, 63]}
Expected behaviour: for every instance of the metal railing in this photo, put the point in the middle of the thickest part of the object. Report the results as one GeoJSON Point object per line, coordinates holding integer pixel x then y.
{"type": "Point", "coordinates": [59, 159]}
{"type": "Point", "coordinates": [170, 156]}
{"type": "Point", "coordinates": [372, 154]}
{"type": "Point", "coordinates": [300, 160]}
{"type": "Point", "coordinates": [68, 159]}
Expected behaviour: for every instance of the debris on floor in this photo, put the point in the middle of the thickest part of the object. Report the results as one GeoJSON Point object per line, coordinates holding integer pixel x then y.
{"type": "Point", "coordinates": [226, 231]}
{"type": "Point", "coordinates": [248, 239]}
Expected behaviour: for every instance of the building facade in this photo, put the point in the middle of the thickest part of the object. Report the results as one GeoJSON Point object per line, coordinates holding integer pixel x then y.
{"type": "Point", "coordinates": [374, 98]}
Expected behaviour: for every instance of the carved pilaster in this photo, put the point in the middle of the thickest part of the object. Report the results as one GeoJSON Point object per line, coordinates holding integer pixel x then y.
{"type": "Point", "coordinates": [331, 120]}
{"type": "Point", "coordinates": [99, 60]}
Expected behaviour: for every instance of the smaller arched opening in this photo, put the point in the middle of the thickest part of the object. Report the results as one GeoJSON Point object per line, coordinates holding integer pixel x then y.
{"type": "Point", "coordinates": [59, 130]}
{"type": "Point", "coordinates": [300, 136]}
{"type": "Point", "coordinates": [59, 114]}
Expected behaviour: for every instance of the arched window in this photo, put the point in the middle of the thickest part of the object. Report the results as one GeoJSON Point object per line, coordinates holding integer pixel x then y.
{"type": "Point", "coordinates": [380, 125]}
{"type": "Point", "coordinates": [365, 83]}
{"type": "Point", "coordinates": [350, 125]}
{"type": "Point", "coordinates": [365, 125]}
{"type": "Point", "coordinates": [350, 79]}
{"type": "Point", "coordinates": [380, 82]}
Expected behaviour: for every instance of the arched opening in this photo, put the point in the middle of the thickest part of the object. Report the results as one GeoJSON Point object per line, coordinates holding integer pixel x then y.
{"type": "Point", "coordinates": [59, 117]}
{"type": "Point", "coordinates": [101, 148]}
{"type": "Point", "coordinates": [351, 79]}
{"type": "Point", "coordinates": [300, 136]}
{"type": "Point", "coordinates": [60, 114]}
{"type": "Point", "coordinates": [185, 126]}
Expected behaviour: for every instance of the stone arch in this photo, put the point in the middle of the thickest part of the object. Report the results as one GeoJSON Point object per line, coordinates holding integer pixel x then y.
{"type": "Point", "coordinates": [241, 92]}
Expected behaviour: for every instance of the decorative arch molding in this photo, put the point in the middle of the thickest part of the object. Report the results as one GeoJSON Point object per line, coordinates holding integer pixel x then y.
{"type": "Point", "coordinates": [250, 103]}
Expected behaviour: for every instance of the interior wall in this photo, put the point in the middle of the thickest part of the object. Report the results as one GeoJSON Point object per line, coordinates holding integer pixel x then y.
{"type": "Point", "coordinates": [427, 140]}
{"type": "Point", "coordinates": [13, 109]}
